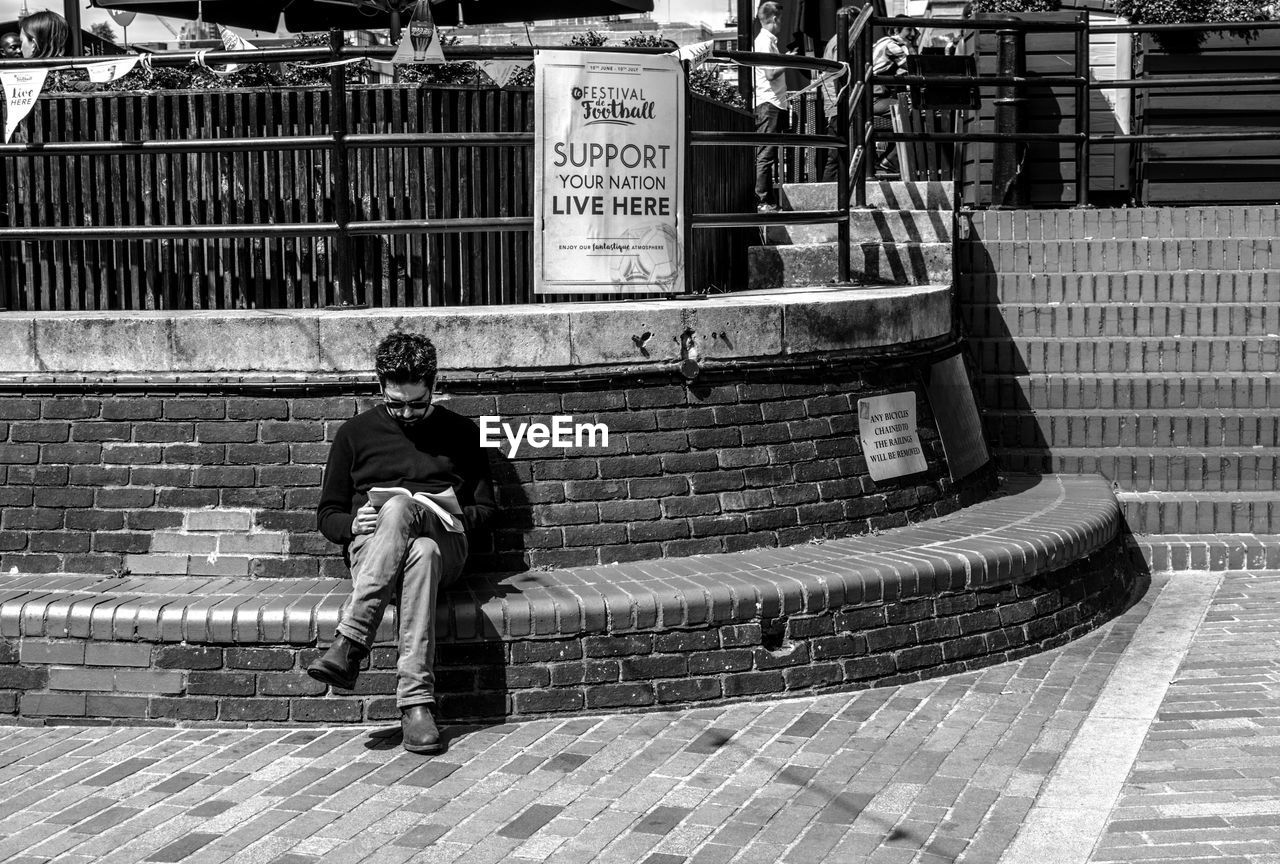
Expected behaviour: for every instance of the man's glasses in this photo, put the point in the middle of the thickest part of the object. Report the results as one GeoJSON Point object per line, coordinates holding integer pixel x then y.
{"type": "Point", "coordinates": [415, 405]}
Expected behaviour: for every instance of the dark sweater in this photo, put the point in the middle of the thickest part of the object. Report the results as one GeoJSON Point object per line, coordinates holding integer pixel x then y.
{"type": "Point", "coordinates": [373, 449]}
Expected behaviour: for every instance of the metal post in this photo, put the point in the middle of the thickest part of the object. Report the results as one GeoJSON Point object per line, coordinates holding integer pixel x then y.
{"type": "Point", "coordinates": [842, 155]}
{"type": "Point", "coordinates": [746, 80]}
{"type": "Point", "coordinates": [1008, 179]}
{"type": "Point", "coordinates": [863, 117]}
{"type": "Point", "coordinates": [71, 12]}
{"type": "Point", "coordinates": [1082, 111]}
{"type": "Point", "coordinates": [339, 175]}
{"type": "Point", "coordinates": [686, 229]}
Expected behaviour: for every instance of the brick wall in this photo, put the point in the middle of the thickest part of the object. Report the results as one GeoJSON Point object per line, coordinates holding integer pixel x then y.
{"type": "Point", "coordinates": [908, 638]}
{"type": "Point", "coordinates": [225, 482]}
{"type": "Point", "coordinates": [1141, 344]}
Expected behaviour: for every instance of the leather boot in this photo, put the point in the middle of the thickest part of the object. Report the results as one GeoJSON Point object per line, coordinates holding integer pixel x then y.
{"type": "Point", "coordinates": [419, 730]}
{"type": "Point", "coordinates": [339, 666]}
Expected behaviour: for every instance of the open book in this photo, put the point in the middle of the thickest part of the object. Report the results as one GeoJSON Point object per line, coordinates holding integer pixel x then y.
{"type": "Point", "coordinates": [443, 504]}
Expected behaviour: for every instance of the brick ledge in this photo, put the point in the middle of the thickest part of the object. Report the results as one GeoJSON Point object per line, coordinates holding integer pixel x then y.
{"type": "Point", "coordinates": [1037, 525]}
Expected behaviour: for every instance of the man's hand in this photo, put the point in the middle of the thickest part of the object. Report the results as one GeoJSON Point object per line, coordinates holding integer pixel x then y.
{"type": "Point", "coordinates": [366, 520]}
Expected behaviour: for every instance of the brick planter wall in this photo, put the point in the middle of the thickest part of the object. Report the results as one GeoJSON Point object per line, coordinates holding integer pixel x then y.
{"type": "Point", "coordinates": [224, 481]}
{"type": "Point", "coordinates": [911, 637]}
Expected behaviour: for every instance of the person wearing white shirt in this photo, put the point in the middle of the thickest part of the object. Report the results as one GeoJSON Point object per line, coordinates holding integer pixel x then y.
{"type": "Point", "coordinates": [770, 102]}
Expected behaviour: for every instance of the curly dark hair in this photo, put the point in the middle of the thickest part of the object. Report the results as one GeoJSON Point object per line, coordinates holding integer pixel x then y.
{"type": "Point", "coordinates": [402, 358]}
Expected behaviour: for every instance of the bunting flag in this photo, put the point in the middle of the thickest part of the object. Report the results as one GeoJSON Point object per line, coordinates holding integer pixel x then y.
{"type": "Point", "coordinates": [697, 53]}
{"type": "Point", "coordinates": [230, 42]}
{"type": "Point", "coordinates": [21, 89]}
{"type": "Point", "coordinates": [501, 70]}
{"type": "Point", "coordinates": [110, 70]}
{"type": "Point", "coordinates": [421, 42]}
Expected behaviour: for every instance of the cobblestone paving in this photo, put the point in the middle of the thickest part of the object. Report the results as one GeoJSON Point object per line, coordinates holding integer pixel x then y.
{"type": "Point", "coordinates": [1206, 784]}
{"type": "Point", "coordinates": [932, 772]}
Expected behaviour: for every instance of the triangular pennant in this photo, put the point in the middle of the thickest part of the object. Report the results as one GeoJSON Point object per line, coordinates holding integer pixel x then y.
{"type": "Point", "coordinates": [696, 54]}
{"type": "Point", "coordinates": [232, 42]}
{"type": "Point", "coordinates": [501, 70]}
{"type": "Point", "coordinates": [21, 89]}
{"type": "Point", "coordinates": [421, 42]}
{"type": "Point", "coordinates": [110, 70]}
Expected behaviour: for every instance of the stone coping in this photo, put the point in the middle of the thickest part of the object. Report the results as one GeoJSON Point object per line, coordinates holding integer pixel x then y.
{"type": "Point", "coordinates": [723, 327]}
{"type": "Point", "coordinates": [1038, 525]}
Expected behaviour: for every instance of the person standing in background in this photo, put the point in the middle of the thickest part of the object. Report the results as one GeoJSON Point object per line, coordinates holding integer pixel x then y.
{"type": "Point", "coordinates": [831, 90]}
{"type": "Point", "coordinates": [770, 103]}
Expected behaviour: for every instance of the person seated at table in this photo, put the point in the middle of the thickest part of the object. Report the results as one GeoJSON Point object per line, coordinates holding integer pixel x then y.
{"type": "Point", "coordinates": [889, 57]}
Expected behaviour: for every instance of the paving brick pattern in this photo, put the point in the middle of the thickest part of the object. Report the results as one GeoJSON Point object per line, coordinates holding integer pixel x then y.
{"type": "Point", "coordinates": [1204, 785]}
{"type": "Point", "coordinates": [930, 771]}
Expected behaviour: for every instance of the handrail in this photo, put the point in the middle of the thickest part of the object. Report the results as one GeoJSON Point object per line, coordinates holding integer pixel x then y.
{"type": "Point", "coordinates": [1207, 26]}
{"type": "Point", "coordinates": [1179, 83]}
{"type": "Point", "coordinates": [1083, 138]}
{"type": "Point", "coordinates": [992, 24]}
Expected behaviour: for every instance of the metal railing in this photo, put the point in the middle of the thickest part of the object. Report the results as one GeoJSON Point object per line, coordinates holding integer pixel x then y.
{"type": "Point", "coordinates": [343, 228]}
{"type": "Point", "coordinates": [858, 47]}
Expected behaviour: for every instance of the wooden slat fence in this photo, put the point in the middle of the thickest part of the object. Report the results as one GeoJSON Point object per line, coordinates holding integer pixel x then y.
{"type": "Point", "coordinates": [1225, 172]}
{"type": "Point", "coordinates": [293, 186]}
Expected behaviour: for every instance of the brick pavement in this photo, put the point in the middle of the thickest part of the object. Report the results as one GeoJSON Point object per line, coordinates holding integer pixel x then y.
{"type": "Point", "coordinates": [946, 770]}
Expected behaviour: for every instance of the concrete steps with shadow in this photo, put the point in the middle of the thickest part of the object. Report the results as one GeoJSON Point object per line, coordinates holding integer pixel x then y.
{"type": "Point", "coordinates": [902, 237]}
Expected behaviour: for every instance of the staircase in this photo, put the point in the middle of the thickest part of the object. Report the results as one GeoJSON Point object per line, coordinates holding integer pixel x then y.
{"type": "Point", "coordinates": [1142, 344]}
{"type": "Point", "coordinates": [902, 237]}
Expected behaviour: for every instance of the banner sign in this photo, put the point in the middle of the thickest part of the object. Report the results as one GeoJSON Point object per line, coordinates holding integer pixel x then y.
{"type": "Point", "coordinates": [609, 176]}
{"type": "Point", "coordinates": [21, 88]}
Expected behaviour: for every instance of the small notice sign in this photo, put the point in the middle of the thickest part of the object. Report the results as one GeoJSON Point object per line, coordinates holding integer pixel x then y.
{"type": "Point", "coordinates": [887, 427]}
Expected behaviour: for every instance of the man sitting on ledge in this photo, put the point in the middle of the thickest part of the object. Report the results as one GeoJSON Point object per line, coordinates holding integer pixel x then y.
{"type": "Point", "coordinates": [411, 545]}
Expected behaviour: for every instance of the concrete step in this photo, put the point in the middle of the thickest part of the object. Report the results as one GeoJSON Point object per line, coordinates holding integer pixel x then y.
{"type": "Point", "coordinates": [1135, 286]}
{"type": "Point", "coordinates": [1199, 354]}
{"type": "Point", "coordinates": [1109, 320]}
{"type": "Point", "coordinates": [1201, 512]}
{"type": "Point", "coordinates": [1118, 256]}
{"type": "Point", "coordinates": [1197, 430]}
{"type": "Point", "coordinates": [889, 226]}
{"type": "Point", "coordinates": [1207, 395]}
{"type": "Point", "coordinates": [872, 264]}
{"type": "Point", "coordinates": [1132, 223]}
{"type": "Point", "coordinates": [881, 194]}
{"type": "Point", "coordinates": [1157, 469]}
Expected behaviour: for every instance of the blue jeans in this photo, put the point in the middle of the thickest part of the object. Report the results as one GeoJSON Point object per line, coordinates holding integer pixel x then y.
{"type": "Point", "coordinates": [769, 118]}
{"type": "Point", "coordinates": [412, 555]}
